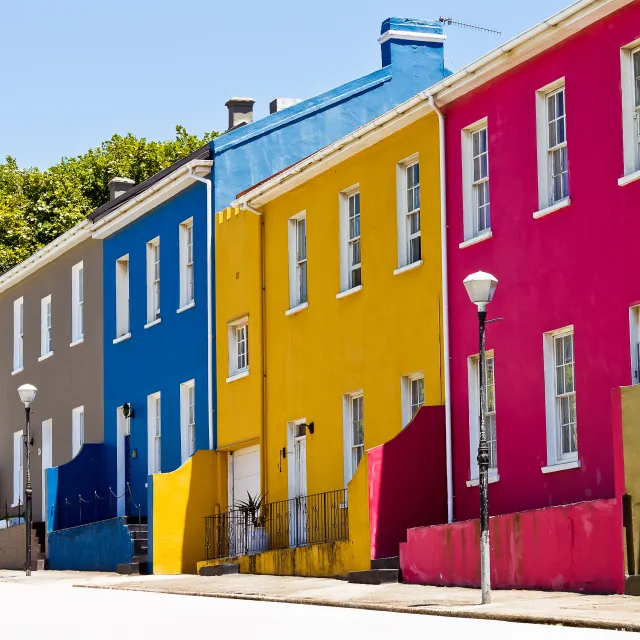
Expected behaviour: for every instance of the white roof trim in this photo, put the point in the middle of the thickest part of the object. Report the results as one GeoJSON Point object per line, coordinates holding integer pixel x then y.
{"type": "Point", "coordinates": [417, 36]}
{"type": "Point", "coordinates": [43, 256]}
{"type": "Point", "coordinates": [158, 193]}
{"type": "Point", "coordinates": [517, 50]}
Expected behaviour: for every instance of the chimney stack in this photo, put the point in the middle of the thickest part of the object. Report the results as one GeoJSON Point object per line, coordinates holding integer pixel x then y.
{"type": "Point", "coordinates": [282, 103]}
{"type": "Point", "coordinates": [240, 111]}
{"type": "Point", "coordinates": [118, 186]}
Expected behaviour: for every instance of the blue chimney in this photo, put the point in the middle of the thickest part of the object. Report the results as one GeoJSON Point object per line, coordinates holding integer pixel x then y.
{"type": "Point", "coordinates": [402, 37]}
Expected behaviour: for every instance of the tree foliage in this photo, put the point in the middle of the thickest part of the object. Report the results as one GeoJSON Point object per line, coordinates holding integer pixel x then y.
{"type": "Point", "coordinates": [38, 206]}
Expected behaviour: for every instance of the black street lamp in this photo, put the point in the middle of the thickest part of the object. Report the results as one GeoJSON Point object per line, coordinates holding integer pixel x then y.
{"type": "Point", "coordinates": [27, 396]}
{"type": "Point", "coordinates": [481, 286]}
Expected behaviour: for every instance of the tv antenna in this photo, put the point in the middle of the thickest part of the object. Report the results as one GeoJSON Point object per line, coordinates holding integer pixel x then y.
{"type": "Point", "coordinates": [455, 23]}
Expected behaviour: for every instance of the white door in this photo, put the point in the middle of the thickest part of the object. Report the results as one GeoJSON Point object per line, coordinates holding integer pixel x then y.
{"type": "Point", "coordinates": [298, 521]}
{"type": "Point", "coordinates": [47, 461]}
{"type": "Point", "coordinates": [122, 433]}
{"type": "Point", "coordinates": [244, 474]}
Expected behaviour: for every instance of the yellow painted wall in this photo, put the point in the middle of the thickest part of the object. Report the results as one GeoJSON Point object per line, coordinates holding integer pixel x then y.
{"type": "Point", "coordinates": [631, 443]}
{"type": "Point", "coordinates": [181, 500]}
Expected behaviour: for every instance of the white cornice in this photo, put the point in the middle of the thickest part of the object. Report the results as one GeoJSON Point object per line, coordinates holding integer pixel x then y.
{"type": "Point", "coordinates": [416, 36]}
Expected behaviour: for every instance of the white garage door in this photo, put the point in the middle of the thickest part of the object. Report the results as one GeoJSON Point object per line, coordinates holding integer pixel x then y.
{"type": "Point", "coordinates": [244, 474]}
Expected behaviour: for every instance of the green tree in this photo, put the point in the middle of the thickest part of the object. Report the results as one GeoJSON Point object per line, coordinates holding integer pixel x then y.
{"type": "Point", "coordinates": [38, 206]}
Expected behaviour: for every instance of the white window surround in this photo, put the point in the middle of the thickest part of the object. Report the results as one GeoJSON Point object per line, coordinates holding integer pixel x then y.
{"type": "Point", "coordinates": [477, 239]}
{"type": "Point", "coordinates": [545, 195]}
{"type": "Point", "coordinates": [46, 349]}
{"type": "Point", "coordinates": [350, 247]}
{"type": "Point", "coordinates": [634, 336]}
{"type": "Point", "coordinates": [468, 197]}
{"type": "Point", "coordinates": [562, 466]}
{"type": "Point", "coordinates": [122, 299]}
{"type": "Point", "coordinates": [555, 460]}
{"type": "Point", "coordinates": [77, 303]}
{"type": "Point", "coordinates": [561, 204]}
{"type": "Point", "coordinates": [298, 309]}
{"type": "Point", "coordinates": [153, 323]}
{"type": "Point", "coordinates": [348, 292]}
{"type": "Point", "coordinates": [126, 336]}
{"type": "Point", "coordinates": [18, 335]}
{"type": "Point", "coordinates": [409, 267]}
{"type": "Point", "coordinates": [298, 271]}
{"type": "Point", "coordinates": [407, 392]}
{"type": "Point", "coordinates": [238, 348]}
{"type": "Point", "coordinates": [402, 212]}
{"type": "Point", "coordinates": [186, 307]}
{"type": "Point", "coordinates": [187, 419]}
{"type": "Point", "coordinates": [77, 430]}
{"type": "Point", "coordinates": [187, 269]}
{"type": "Point", "coordinates": [18, 469]}
{"type": "Point", "coordinates": [154, 432]}
{"type": "Point", "coordinates": [348, 417]}
{"type": "Point", "coordinates": [153, 281]}
{"type": "Point", "coordinates": [475, 482]}
{"type": "Point", "coordinates": [630, 112]}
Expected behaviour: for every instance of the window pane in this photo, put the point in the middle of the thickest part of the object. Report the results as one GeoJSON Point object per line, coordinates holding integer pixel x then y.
{"type": "Point", "coordinates": [553, 140]}
{"type": "Point", "coordinates": [568, 349]}
{"type": "Point", "coordinates": [559, 381]}
{"type": "Point", "coordinates": [476, 143]}
{"type": "Point", "coordinates": [355, 253]}
{"type": "Point", "coordinates": [559, 103]}
{"type": "Point", "coordinates": [569, 384]}
{"type": "Point", "coordinates": [551, 108]}
{"type": "Point", "coordinates": [484, 168]}
{"type": "Point", "coordinates": [414, 250]}
{"type": "Point", "coordinates": [301, 230]}
{"type": "Point", "coordinates": [636, 75]}
{"type": "Point", "coordinates": [356, 277]}
{"type": "Point", "coordinates": [562, 135]}
{"type": "Point", "coordinates": [476, 169]}
{"type": "Point", "coordinates": [414, 223]}
{"type": "Point", "coordinates": [302, 275]}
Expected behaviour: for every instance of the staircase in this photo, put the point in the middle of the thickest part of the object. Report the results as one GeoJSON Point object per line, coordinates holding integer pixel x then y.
{"type": "Point", "coordinates": [139, 564]}
{"type": "Point", "coordinates": [383, 570]}
{"type": "Point", "coordinates": [37, 546]}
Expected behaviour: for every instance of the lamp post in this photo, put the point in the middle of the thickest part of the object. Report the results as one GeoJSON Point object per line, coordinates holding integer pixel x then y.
{"type": "Point", "coordinates": [27, 394]}
{"type": "Point", "coordinates": [481, 286]}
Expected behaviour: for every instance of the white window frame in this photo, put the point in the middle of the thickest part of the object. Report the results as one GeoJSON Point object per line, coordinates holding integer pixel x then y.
{"type": "Point", "coordinates": [347, 433]}
{"type": "Point", "coordinates": [77, 430]}
{"type": "Point", "coordinates": [187, 268]}
{"type": "Point", "coordinates": [18, 468]}
{"type": "Point", "coordinates": [556, 460]}
{"type": "Point", "coordinates": [122, 297]}
{"type": "Point", "coordinates": [350, 237]}
{"type": "Point", "coordinates": [403, 213]}
{"type": "Point", "coordinates": [298, 265]}
{"type": "Point", "coordinates": [406, 389]}
{"type": "Point", "coordinates": [18, 335]}
{"type": "Point", "coordinates": [634, 336]}
{"type": "Point", "coordinates": [234, 332]}
{"type": "Point", "coordinates": [153, 282]}
{"type": "Point", "coordinates": [470, 185]}
{"type": "Point", "coordinates": [77, 303]}
{"type": "Point", "coordinates": [473, 372]}
{"type": "Point", "coordinates": [546, 199]}
{"type": "Point", "coordinates": [154, 431]}
{"type": "Point", "coordinates": [188, 419]}
{"type": "Point", "coordinates": [46, 328]}
{"type": "Point", "coordinates": [630, 112]}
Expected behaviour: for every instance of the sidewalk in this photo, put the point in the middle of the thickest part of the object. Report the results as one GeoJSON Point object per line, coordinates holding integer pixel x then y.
{"type": "Point", "coordinates": [602, 612]}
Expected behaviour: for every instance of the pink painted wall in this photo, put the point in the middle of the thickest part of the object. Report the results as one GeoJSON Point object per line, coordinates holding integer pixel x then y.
{"type": "Point", "coordinates": [574, 548]}
{"type": "Point", "coordinates": [576, 266]}
{"type": "Point", "coordinates": [408, 482]}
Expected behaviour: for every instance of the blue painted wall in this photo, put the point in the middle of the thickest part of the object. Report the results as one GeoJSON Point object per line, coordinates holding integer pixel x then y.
{"type": "Point", "coordinates": [101, 546]}
{"type": "Point", "coordinates": [165, 355]}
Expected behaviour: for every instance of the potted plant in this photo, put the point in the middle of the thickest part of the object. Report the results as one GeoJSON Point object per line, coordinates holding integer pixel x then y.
{"type": "Point", "coordinates": [253, 510]}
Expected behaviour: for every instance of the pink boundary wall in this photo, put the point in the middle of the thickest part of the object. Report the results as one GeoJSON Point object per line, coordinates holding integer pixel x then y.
{"type": "Point", "coordinates": [578, 547]}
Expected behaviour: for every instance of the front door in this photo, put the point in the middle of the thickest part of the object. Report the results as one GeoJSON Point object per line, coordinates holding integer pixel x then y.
{"type": "Point", "coordinates": [123, 458]}
{"type": "Point", "coordinates": [299, 505]}
{"type": "Point", "coordinates": [47, 461]}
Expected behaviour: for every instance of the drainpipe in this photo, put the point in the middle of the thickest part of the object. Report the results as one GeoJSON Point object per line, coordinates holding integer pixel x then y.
{"type": "Point", "coordinates": [207, 181]}
{"type": "Point", "coordinates": [445, 306]}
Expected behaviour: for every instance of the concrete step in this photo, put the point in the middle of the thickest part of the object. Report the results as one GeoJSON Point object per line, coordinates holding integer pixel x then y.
{"type": "Point", "coordinates": [133, 568]}
{"type": "Point", "coordinates": [220, 570]}
{"type": "Point", "coordinates": [386, 563]}
{"type": "Point", "coordinates": [139, 535]}
{"type": "Point", "coordinates": [37, 564]}
{"type": "Point", "coordinates": [632, 586]}
{"type": "Point", "coordinates": [140, 546]}
{"type": "Point", "coordinates": [374, 576]}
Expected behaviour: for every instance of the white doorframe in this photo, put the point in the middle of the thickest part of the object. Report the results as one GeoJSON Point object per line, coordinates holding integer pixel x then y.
{"type": "Point", "coordinates": [291, 445]}
{"type": "Point", "coordinates": [122, 428]}
{"type": "Point", "coordinates": [47, 461]}
{"type": "Point", "coordinates": [297, 453]}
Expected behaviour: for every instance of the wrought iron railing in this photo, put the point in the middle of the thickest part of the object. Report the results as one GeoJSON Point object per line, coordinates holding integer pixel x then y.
{"type": "Point", "coordinates": [322, 517]}
{"type": "Point", "coordinates": [11, 514]}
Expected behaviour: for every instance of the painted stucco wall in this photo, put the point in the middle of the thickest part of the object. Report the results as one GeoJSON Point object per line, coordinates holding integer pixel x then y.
{"type": "Point", "coordinates": [368, 340]}
{"type": "Point", "coordinates": [165, 355]}
{"type": "Point", "coordinates": [100, 546]}
{"type": "Point", "coordinates": [568, 268]}
{"type": "Point", "coordinates": [181, 500]}
{"type": "Point", "coordinates": [408, 482]}
{"type": "Point", "coordinates": [572, 548]}
{"type": "Point", "coordinates": [12, 547]}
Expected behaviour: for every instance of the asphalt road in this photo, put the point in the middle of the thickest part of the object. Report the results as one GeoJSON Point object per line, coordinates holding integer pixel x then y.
{"type": "Point", "coordinates": [61, 611]}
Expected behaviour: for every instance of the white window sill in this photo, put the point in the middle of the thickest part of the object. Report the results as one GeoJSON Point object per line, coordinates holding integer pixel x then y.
{"type": "Point", "coordinates": [471, 241]}
{"type": "Point", "coordinates": [75, 343]}
{"type": "Point", "coordinates": [45, 356]}
{"type": "Point", "coordinates": [300, 307]}
{"type": "Point", "coordinates": [630, 177]}
{"type": "Point", "coordinates": [153, 323]}
{"type": "Point", "coordinates": [348, 292]}
{"type": "Point", "coordinates": [122, 338]}
{"type": "Point", "coordinates": [409, 267]}
{"type": "Point", "coordinates": [187, 307]}
{"type": "Point", "coordinates": [562, 466]}
{"type": "Point", "coordinates": [475, 482]}
{"type": "Point", "coordinates": [561, 204]}
{"type": "Point", "coordinates": [238, 376]}
{"type": "Point", "coordinates": [17, 371]}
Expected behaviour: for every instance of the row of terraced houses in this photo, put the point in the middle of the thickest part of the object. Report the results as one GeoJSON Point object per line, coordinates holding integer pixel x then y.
{"type": "Point", "coordinates": [263, 358]}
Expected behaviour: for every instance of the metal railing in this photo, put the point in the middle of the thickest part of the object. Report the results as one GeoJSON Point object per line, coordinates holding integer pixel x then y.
{"type": "Point", "coordinates": [322, 517]}
{"type": "Point", "coordinates": [12, 514]}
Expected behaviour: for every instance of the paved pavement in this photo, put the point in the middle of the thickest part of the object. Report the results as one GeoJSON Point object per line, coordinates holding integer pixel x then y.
{"type": "Point", "coordinates": [48, 605]}
{"type": "Point", "coordinates": [601, 612]}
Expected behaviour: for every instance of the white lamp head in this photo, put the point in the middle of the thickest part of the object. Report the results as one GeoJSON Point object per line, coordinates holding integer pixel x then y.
{"type": "Point", "coordinates": [27, 394]}
{"type": "Point", "coordinates": [480, 286]}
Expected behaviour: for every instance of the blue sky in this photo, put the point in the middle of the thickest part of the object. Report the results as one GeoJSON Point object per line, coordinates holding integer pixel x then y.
{"type": "Point", "coordinates": [75, 72]}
